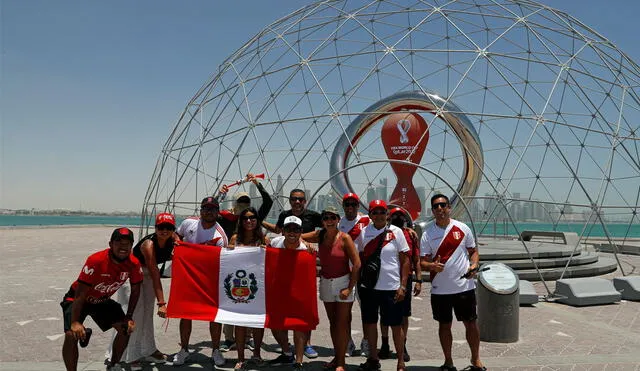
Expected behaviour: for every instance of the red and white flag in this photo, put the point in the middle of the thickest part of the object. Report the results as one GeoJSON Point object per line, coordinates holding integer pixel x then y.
{"type": "Point", "coordinates": [247, 286]}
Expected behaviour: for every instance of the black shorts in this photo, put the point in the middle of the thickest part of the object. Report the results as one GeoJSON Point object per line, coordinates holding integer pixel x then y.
{"type": "Point", "coordinates": [104, 314]}
{"type": "Point", "coordinates": [406, 302]}
{"type": "Point", "coordinates": [372, 301]}
{"type": "Point", "coordinates": [462, 303]}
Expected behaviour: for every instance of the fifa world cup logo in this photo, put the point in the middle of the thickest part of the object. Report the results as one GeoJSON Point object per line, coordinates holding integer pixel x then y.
{"type": "Point", "coordinates": [404, 137]}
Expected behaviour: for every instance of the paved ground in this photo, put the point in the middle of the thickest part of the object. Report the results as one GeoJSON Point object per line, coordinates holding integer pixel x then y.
{"type": "Point", "coordinates": [37, 266]}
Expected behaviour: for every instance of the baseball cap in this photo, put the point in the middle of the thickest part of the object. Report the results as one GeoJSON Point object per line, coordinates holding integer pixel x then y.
{"type": "Point", "coordinates": [397, 210]}
{"type": "Point", "coordinates": [377, 204]}
{"type": "Point", "coordinates": [242, 197]}
{"type": "Point", "coordinates": [120, 233]}
{"type": "Point", "coordinates": [350, 196]}
{"type": "Point", "coordinates": [331, 210]}
{"type": "Point", "coordinates": [165, 218]}
{"type": "Point", "coordinates": [292, 220]}
{"type": "Point", "coordinates": [209, 201]}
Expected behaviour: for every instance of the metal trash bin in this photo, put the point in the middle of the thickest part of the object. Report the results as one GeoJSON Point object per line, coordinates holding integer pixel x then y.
{"type": "Point", "coordinates": [498, 298]}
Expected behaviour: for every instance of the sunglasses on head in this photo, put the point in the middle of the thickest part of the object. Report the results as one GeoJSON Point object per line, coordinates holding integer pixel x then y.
{"type": "Point", "coordinates": [378, 212]}
{"type": "Point", "coordinates": [294, 199]}
{"type": "Point", "coordinates": [350, 204]}
{"type": "Point", "coordinates": [442, 205]}
{"type": "Point", "coordinates": [329, 217]}
{"type": "Point", "coordinates": [250, 217]}
{"type": "Point", "coordinates": [162, 227]}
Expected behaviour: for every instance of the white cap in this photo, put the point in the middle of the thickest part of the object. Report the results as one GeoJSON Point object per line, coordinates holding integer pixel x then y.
{"type": "Point", "coordinates": [292, 220]}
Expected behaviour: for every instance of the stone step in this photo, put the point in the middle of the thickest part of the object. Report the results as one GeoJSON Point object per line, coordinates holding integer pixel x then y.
{"type": "Point", "coordinates": [602, 266]}
{"type": "Point", "coordinates": [580, 259]}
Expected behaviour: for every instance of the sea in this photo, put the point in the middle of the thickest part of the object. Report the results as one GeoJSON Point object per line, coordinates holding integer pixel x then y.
{"type": "Point", "coordinates": [617, 230]}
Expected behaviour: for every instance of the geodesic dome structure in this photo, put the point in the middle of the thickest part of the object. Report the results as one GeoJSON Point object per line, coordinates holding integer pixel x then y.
{"type": "Point", "coordinates": [554, 106]}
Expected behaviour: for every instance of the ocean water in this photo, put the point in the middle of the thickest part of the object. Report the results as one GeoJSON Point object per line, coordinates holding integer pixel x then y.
{"type": "Point", "coordinates": [51, 220]}
{"type": "Point", "coordinates": [587, 230]}
{"type": "Point", "coordinates": [499, 229]}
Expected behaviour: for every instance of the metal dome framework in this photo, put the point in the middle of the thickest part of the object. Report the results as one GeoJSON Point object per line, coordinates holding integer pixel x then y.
{"type": "Point", "coordinates": [554, 103]}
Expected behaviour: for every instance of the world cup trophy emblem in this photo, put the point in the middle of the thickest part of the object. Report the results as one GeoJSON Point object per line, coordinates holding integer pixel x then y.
{"type": "Point", "coordinates": [404, 137]}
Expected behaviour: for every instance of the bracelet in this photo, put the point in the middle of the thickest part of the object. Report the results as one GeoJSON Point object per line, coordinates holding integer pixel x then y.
{"type": "Point", "coordinates": [161, 304]}
{"type": "Point", "coordinates": [403, 288]}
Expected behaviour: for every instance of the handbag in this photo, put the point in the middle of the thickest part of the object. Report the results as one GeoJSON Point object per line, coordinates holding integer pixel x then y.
{"type": "Point", "coordinates": [370, 270]}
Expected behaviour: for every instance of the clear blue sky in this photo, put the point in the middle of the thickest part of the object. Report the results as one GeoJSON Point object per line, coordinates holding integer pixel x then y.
{"type": "Point", "coordinates": [89, 91]}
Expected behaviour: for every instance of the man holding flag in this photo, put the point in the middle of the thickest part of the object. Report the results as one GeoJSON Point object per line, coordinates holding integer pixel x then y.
{"type": "Point", "coordinates": [204, 230]}
{"type": "Point", "coordinates": [449, 252]}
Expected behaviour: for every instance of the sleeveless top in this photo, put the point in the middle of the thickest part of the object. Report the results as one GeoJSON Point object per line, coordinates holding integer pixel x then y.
{"type": "Point", "coordinates": [162, 254]}
{"type": "Point", "coordinates": [334, 262]}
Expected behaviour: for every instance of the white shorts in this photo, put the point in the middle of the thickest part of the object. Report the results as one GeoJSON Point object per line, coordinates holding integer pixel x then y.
{"type": "Point", "coordinates": [330, 289]}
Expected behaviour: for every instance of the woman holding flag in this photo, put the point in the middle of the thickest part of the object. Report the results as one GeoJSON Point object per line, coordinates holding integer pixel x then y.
{"type": "Point", "coordinates": [248, 234]}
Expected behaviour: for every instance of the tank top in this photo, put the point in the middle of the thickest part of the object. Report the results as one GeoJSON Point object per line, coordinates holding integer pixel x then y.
{"type": "Point", "coordinates": [334, 262]}
{"type": "Point", "coordinates": [162, 254]}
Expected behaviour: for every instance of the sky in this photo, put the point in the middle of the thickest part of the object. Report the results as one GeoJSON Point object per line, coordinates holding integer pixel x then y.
{"type": "Point", "coordinates": [89, 91]}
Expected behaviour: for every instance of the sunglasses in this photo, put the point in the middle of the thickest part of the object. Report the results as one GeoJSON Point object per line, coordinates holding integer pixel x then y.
{"type": "Point", "coordinates": [378, 212]}
{"type": "Point", "coordinates": [165, 227]}
{"type": "Point", "coordinates": [293, 229]}
{"type": "Point", "coordinates": [350, 204]}
{"type": "Point", "coordinates": [442, 205]}
{"type": "Point", "coordinates": [252, 217]}
{"type": "Point", "coordinates": [330, 217]}
{"type": "Point", "coordinates": [209, 209]}
{"type": "Point", "coordinates": [294, 199]}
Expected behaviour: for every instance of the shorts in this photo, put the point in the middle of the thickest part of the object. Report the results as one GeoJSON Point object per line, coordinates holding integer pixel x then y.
{"type": "Point", "coordinates": [462, 303]}
{"type": "Point", "coordinates": [330, 289]}
{"type": "Point", "coordinates": [406, 302]}
{"type": "Point", "coordinates": [372, 301]}
{"type": "Point", "coordinates": [104, 314]}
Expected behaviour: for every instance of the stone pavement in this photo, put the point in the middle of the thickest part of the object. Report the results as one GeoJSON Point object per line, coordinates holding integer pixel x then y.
{"type": "Point", "coordinates": [38, 265]}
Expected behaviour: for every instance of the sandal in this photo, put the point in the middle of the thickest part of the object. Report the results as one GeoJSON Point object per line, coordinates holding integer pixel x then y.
{"type": "Point", "coordinates": [370, 365]}
{"type": "Point", "coordinates": [448, 368]}
{"type": "Point", "coordinates": [240, 366]}
{"type": "Point", "coordinates": [474, 368]}
{"type": "Point", "coordinates": [330, 365]}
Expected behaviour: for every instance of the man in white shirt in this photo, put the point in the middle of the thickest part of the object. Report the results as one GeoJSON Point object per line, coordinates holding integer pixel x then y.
{"type": "Point", "coordinates": [386, 296]}
{"type": "Point", "coordinates": [448, 250]}
{"type": "Point", "coordinates": [204, 230]}
{"type": "Point", "coordinates": [352, 223]}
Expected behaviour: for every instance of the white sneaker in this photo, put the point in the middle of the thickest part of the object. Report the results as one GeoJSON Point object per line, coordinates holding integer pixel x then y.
{"type": "Point", "coordinates": [351, 348]}
{"type": "Point", "coordinates": [364, 348]}
{"type": "Point", "coordinates": [180, 358]}
{"type": "Point", "coordinates": [218, 358]}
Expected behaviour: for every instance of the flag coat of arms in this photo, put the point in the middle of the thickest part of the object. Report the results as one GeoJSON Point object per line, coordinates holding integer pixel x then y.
{"type": "Point", "coordinates": [246, 286]}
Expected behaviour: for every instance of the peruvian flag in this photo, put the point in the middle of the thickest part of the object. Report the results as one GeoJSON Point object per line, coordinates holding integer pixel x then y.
{"type": "Point", "coordinates": [247, 286]}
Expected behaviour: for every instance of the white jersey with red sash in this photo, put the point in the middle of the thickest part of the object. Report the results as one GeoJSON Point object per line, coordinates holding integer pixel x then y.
{"type": "Point", "coordinates": [192, 231]}
{"type": "Point", "coordinates": [354, 227]}
{"type": "Point", "coordinates": [450, 244]}
{"type": "Point", "coordinates": [393, 245]}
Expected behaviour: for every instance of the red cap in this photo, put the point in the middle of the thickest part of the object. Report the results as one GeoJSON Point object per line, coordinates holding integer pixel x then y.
{"type": "Point", "coordinates": [397, 210]}
{"type": "Point", "coordinates": [377, 204]}
{"type": "Point", "coordinates": [165, 218]}
{"type": "Point", "coordinates": [123, 232]}
{"type": "Point", "coordinates": [350, 195]}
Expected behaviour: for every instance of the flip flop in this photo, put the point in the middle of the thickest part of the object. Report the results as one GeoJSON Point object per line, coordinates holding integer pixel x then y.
{"type": "Point", "coordinates": [448, 368]}
{"type": "Point", "coordinates": [474, 368]}
{"type": "Point", "coordinates": [330, 365]}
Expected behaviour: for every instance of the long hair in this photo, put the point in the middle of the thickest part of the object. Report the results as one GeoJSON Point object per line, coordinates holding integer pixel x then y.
{"type": "Point", "coordinates": [258, 235]}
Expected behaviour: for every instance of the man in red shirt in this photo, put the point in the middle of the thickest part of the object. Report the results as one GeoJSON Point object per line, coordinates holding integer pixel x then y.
{"type": "Point", "coordinates": [90, 295]}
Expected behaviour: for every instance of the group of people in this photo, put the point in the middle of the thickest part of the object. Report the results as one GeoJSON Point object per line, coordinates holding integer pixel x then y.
{"type": "Point", "coordinates": [370, 258]}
